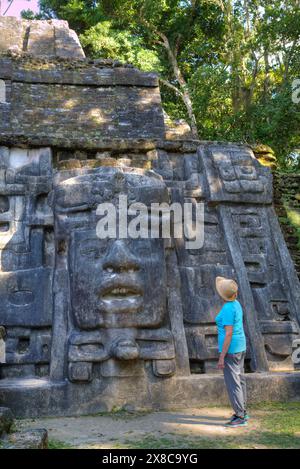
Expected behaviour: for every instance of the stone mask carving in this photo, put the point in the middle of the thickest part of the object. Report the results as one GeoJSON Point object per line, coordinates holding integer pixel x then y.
{"type": "Point", "coordinates": [113, 282]}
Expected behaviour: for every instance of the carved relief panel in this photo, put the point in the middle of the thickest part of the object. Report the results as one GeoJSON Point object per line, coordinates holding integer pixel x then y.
{"type": "Point", "coordinates": [27, 258]}
{"type": "Point", "coordinates": [117, 287]}
{"type": "Point", "coordinates": [276, 314]}
{"type": "Point", "coordinates": [198, 267]}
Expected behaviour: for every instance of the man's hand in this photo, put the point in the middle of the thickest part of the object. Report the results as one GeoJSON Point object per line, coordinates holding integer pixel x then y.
{"type": "Point", "coordinates": [221, 365]}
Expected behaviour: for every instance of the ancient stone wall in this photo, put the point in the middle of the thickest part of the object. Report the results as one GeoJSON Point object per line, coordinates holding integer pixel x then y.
{"type": "Point", "coordinates": [49, 235]}
{"type": "Point", "coordinates": [27, 259]}
{"type": "Point", "coordinates": [94, 323]}
{"type": "Point", "coordinates": [287, 206]}
{"type": "Point", "coordinates": [89, 101]}
{"type": "Point", "coordinates": [39, 38]}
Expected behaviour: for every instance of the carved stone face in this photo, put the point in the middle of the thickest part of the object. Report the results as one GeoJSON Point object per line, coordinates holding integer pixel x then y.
{"type": "Point", "coordinates": [117, 283]}
{"type": "Point", "coordinates": [114, 283]}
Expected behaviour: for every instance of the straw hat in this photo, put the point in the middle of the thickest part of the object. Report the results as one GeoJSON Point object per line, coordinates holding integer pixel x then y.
{"type": "Point", "coordinates": [227, 288]}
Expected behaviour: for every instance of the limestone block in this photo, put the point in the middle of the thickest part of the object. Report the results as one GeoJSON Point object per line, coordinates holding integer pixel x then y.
{"type": "Point", "coordinates": [11, 34]}
{"type": "Point", "coordinates": [28, 439]}
{"type": "Point", "coordinates": [164, 367]}
{"type": "Point", "coordinates": [39, 38]}
{"type": "Point", "coordinates": [80, 372]}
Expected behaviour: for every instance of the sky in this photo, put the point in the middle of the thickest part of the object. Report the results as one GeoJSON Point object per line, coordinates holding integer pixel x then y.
{"type": "Point", "coordinates": [18, 6]}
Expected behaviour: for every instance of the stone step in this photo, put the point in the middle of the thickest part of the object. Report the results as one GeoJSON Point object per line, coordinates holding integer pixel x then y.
{"type": "Point", "coordinates": [28, 439]}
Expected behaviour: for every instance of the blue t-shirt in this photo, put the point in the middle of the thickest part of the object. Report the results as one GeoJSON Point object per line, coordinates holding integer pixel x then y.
{"type": "Point", "coordinates": [231, 315]}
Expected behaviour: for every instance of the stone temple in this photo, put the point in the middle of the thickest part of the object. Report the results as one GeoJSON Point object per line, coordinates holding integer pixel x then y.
{"type": "Point", "coordinates": [94, 324]}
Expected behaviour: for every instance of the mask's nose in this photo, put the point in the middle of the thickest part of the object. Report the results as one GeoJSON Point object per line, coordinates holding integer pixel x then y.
{"type": "Point", "coordinates": [120, 259]}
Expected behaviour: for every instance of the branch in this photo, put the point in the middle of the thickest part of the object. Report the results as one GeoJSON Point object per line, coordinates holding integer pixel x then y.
{"type": "Point", "coordinates": [172, 87]}
{"type": "Point", "coordinates": [160, 43]}
{"type": "Point", "coordinates": [288, 56]}
{"type": "Point", "coordinates": [254, 73]}
{"type": "Point", "coordinates": [164, 38]}
{"type": "Point", "coordinates": [220, 3]}
{"type": "Point", "coordinates": [177, 44]}
{"type": "Point", "coordinates": [145, 22]}
{"type": "Point", "coordinates": [165, 41]}
{"type": "Point", "coordinates": [12, 1]}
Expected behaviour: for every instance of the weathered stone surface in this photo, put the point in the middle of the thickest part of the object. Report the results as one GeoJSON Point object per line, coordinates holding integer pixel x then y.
{"type": "Point", "coordinates": [39, 38]}
{"type": "Point", "coordinates": [90, 74]}
{"type": "Point", "coordinates": [6, 420]}
{"type": "Point", "coordinates": [94, 323]}
{"type": "Point", "coordinates": [27, 256]}
{"type": "Point", "coordinates": [27, 439]}
{"type": "Point", "coordinates": [234, 175]}
{"type": "Point", "coordinates": [162, 394]}
{"type": "Point", "coordinates": [51, 101]}
{"type": "Point", "coordinates": [238, 242]}
{"type": "Point", "coordinates": [177, 130]}
{"type": "Point", "coordinates": [287, 199]}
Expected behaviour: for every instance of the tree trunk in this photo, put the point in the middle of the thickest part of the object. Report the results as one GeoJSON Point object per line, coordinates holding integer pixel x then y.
{"type": "Point", "coordinates": [182, 83]}
{"type": "Point", "coordinates": [233, 56]}
{"type": "Point", "coordinates": [247, 18]}
{"type": "Point", "coordinates": [267, 74]}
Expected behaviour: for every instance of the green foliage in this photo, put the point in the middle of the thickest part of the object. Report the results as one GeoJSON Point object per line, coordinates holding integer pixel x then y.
{"type": "Point", "coordinates": [30, 15]}
{"type": "Point", "coordinates": [105, 41]}
{"type": "Point", "coordinates": [237, 59]}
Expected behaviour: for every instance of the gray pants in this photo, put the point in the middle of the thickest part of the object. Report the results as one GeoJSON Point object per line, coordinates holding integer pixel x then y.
{"type": "Point", "coordinates": [235, 382]}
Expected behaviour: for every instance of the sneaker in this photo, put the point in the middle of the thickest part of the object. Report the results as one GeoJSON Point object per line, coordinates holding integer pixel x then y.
{"type": "Point", "coordinates": [246, 417]}
{"type": "Point", "coordinates": [236, 422]}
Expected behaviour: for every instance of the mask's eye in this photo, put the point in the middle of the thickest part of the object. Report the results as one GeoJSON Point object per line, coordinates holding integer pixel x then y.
{"type": "Point", "coordinates": [21, 297]}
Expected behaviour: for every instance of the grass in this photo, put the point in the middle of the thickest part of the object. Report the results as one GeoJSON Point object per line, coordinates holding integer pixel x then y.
{"type": "Point", "coordinates": [119, 413]}
{"type": "Point", "coordinates": [263, 440]}
{"type": "Point", "coordinates": [271, 426]}
{"type": "Point", "coordinates": [277, 425]}
{"type": "Point", "coordinates": [57, 444]}
{"type": "Point", "coordinates": [281, 418]}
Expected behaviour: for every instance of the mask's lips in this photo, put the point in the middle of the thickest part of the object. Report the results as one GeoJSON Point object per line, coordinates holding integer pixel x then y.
{"type": "Point", "coordinates": [121, 292]}
{"type": "Point", "coordinates": [121, 296]}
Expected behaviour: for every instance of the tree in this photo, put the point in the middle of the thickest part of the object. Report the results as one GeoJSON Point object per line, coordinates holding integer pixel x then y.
{"type": "Point", "coordinates": [225, 65]}
{"type": "Point", "coordinates": [164, 27]}
{"type": "Point", "coordinates": [103, 39]}
{"type": "Point", "coordinates": [170, 27]}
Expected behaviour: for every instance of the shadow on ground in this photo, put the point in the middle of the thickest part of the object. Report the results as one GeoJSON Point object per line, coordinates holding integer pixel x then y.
{"type": "Point", "coordinates": [270, 426]}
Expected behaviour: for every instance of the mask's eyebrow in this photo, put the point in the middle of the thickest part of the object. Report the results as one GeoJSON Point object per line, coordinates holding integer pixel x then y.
{"type": "Point", "coordinates": [74, 208]}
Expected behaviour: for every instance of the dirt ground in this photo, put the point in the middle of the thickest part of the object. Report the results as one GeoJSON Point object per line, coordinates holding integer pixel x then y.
{"type": "Point", "coordinates": [109, 431]}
